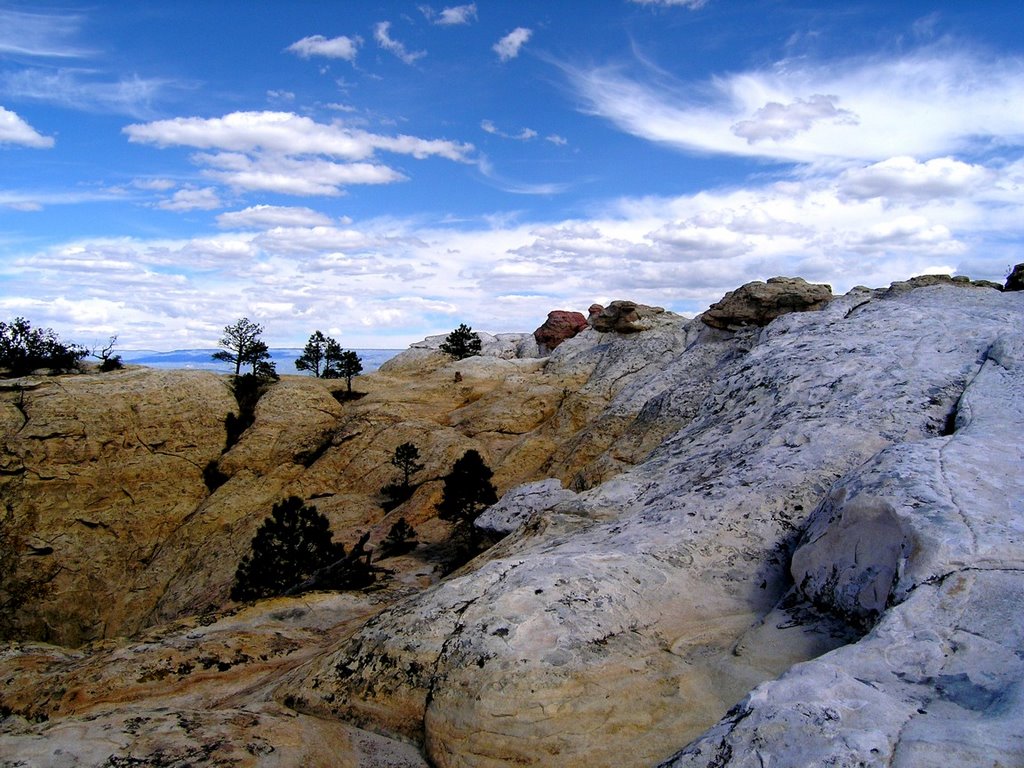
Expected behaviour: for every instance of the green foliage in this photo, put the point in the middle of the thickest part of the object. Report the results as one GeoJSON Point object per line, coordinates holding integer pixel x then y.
{"type": "Point", "coordinates": [406, 459]}
{"type": "Point", "coordinates": [24, 349]}
{"type": "Point", "coordinates": [327, 360]}
{"type": "Point", "coordinates": [243, 346]}
{"type": "Point", "coordinates": [461, 343]}
{"type": "Point", "coordinates": [315, 355]}
{"type": "Point", "coordinates": [401, 538]}
{"type": "Point", "coordinates": [467, 492]}
{"type": "Point", "coordinates": [349, 364]}
{"type": "Point", "coordinates": [290, 547]}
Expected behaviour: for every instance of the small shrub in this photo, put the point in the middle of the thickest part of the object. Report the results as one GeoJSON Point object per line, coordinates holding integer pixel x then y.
{"type": "Point", "coordinates": [401, 538]}
{"type": "Point", "coordinates": [24, 349]}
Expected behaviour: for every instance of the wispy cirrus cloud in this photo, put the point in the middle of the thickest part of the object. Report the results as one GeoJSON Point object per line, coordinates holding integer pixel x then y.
{"type": "Point", "coordinates": [86, 90]}
{"type": "Point", "coordinates": [693, 5]}
{"type": "Point", "coordinates": [509, 46]}
{"type": "Point", "coordinates": [341, 47]}
{"type": "Point", "coordinates": [382, 34]}
{"type": "Point", "coordinates": [15, 130]}
{"type": "Point", "coordinates": [931, 102]}
{"type": "Point", "coordinates": [43, 35]}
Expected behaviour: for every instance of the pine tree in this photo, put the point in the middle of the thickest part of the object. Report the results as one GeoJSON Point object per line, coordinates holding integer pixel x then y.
{"type": "Point", "coordinates": [289, 547]}
{"type": "Point", "coordinates": [406, 459]}
{"type": "Point", "coordinates": [461, 343]}
{"type": "Point", "coordinates": [467, 492]}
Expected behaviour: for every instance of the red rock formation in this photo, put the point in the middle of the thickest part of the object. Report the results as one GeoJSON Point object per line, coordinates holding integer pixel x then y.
{"type": "Point", "coordinates": [560, 325]}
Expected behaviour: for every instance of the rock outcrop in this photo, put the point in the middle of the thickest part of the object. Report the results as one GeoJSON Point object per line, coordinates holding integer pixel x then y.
{"type": "Point", "coordinates": [792, 544]}
{"type": "Point", "coordinates": [759, 303]}
{"type": "Point", "coordinates": [623, 317]}
{"type": "Point", "coordinates": [560, 326]}
{"type": "Point", "coordinates": [1015, 280]}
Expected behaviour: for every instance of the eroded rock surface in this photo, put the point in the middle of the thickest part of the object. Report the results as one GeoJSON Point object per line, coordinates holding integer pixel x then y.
{"type": "Point", "coordinates": [820, 519]}
{"type": "Point", "coordinates": [619, 625]}
{"type": "Point", "coordinates": [759, 303]}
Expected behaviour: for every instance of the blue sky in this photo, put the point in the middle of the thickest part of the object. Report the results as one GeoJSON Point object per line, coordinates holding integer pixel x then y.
{"type": "Point", "coordinates": [385, 170]}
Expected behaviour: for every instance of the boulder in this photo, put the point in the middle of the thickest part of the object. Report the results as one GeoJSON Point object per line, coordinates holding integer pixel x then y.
{"type": "Point", "coordinates": [623, 317]}
{"type": "Point", "coordinates": [520, 505]}
{"type": "Point", "coordinates": [560, 325]}
{"type": "Point", "coordinates": [759, 303]}
{"type": "Point", "coordinates": [1015, 280]}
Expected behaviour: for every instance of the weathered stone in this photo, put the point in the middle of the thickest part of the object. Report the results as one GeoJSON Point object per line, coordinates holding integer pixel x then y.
{"type": "Point", "coordinates": [759, 303]}
{"type": "Point", "coordinates": [839, 489]}
{"type": "Point", "coordinates": [520, 505]}
{"type": "Point", "coordinates": [1015, 280]}
{"type": "Point", "coordinates": [559, 326]}
{"type": "Point", "coordinates": [623, 317]}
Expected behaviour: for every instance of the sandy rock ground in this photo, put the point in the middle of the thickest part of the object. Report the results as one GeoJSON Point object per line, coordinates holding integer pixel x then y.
{"type": "Point", "coordinates": [792, 545]}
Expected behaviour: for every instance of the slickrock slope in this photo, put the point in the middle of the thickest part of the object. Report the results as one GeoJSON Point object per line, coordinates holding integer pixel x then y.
{"type": "Point", "coordinates": [819, 521]}
{"type": "Point", "coordinates": [621, 624]}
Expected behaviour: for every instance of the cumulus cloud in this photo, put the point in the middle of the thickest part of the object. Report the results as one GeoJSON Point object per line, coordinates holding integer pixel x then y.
{"type": "Point", "coordinates": [205, 199]}
{"type": "Point", "coordinates": [558, 141]}
{"type": "Point", "coordinates": [905, 177]}
{"type": "Point", "coordinates": [302, 176]}
{"type": "Point", "coordinates": [266, 216]}
{"type": "Point", "coordinates": [777, 121]}
{"type": "Point", "coordinates": [287, 153]}
{"type": "Point", "coordinates": [14, 130]}
{"type": "Point", "coordinates": [382, 34]}
{"type": "Point", "coordinates": [341, 47]}
{"type": "Point", "coordinates": [929, 103]}
{"type": "Point", "coordinates": [509, 46]}
{"type": "Point", "coordinates": [682, 252]}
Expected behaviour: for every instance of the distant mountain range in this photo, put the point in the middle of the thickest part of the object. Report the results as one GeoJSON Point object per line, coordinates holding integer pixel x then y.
{"type": "Point", "coordinates": [202, 359]}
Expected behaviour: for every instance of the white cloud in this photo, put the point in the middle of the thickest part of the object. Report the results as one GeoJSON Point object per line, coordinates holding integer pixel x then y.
{"type": "Point", "coordinates": [81, 90]}
{"type": "Point", "coordinates": [509, 46]}
{"type": "Point", "coordinates": [382, 34]}
{"type": "Point", "coordinates": [693, 5]}
{"type": "Point", "coordinates": [14, 130]}
{"type": "Point", "coordinates": [341, 47]}
{"type": "Point", "coordinates": [932, 102]}
{"type": "Point", "coordinates": [265, 216]}
{"type": "Point", "coordinates": [458, 14]}
{"type": "Point", "coordinates": [157, 185]}
{"type": "Point", "coordinates": [288, 134]}
{"type": "Point", "coordinates": [559, 141]}
{"type": "Point", "coordinates": [290, 154]}
{"type": "Point", "coordinates": [295, 269]}
{"type": "Point", "coordinates": [905, 177]}
{"type": "Point", "coordinates": [302, 176]}
{"type": "Point", "coordinates": [46, 35]}
{"type": "Point", "coordinates": [205, 199]}
{"type": "Point", "coordinates": [524, 135]}
{"type": "Point", "coordinates": [777, 121]}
